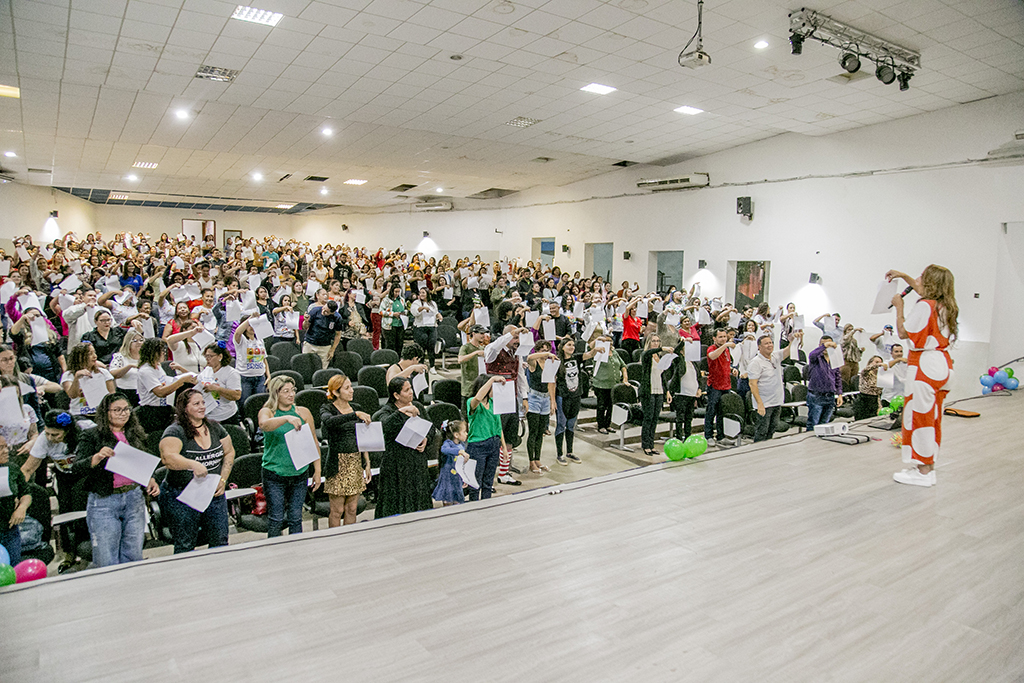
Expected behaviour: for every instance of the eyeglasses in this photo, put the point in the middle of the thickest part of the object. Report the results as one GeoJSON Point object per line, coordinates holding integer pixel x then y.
{"type": "Point", "coordinates": [120, 411]}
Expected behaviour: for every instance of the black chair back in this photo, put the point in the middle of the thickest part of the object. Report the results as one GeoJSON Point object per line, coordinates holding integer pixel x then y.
{"type": "Point", "coordinates": [439, 412]}
{"type": "Point", "coordinates": [348, 362]}
{"type": "Point", "coordinates": [633, 371]}
{"type": "Point", "coordinates": [275, 363]}
{"type": "Point", "coordinates": [239, 439]}
{"type": "Point", "coordinates": [383, 357]}
{"type": "Point", "coordinates": [624, 355]}
{"type": "Point", "coordinates": [449, 391]}
{"type": "Point", "coordinates": [636, 354]}
{"type": "Point", "coordinates": [624, 393]}
{"type": "Point", "coordinates": [361, 346]}
{"type": "Point", "coordinates": [322, 377]}
{"type": "Point", "coordinates": [376, 377]}
{"type": "Point", "coordinates": [732, 403]}
{"type": "Point", "coordinates": [312, 399]}
{"type": "Point", "coordinates": [365, 399]}
{"type": "Point", "coordinates": [285, 350]}
{"type": "Point", "coordinates": [300, 383]}
{"type": "Point", "coordinates": [306, 364]}
{"type": "Point", "coordinates": [799, 393]}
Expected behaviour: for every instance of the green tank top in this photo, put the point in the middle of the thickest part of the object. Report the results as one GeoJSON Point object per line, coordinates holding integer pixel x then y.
{"type": "Point", "coordinates": [275, 450]}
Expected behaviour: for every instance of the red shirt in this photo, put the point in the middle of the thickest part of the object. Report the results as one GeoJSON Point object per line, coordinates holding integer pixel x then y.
{"type": "Point", "coordinates": [631, 326]}
{"type": "Point", "coordinates": [720, 370]}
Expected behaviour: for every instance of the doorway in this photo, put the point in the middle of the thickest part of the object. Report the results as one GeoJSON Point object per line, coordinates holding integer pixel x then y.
{"type": "Point", "coordinates": [665, 271]}
{"type": "Point", "coordinates": [597, 260]}
{"type": "Point", "coordinates": [544, 251]}
{"type": "Point", "coordinates": [198, 230]}
{"type": "Point", "coordinates": [749, 282]}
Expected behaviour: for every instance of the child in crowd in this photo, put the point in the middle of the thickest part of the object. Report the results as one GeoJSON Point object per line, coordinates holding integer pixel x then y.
{"type": "Point", "coordinates": [449, 484]}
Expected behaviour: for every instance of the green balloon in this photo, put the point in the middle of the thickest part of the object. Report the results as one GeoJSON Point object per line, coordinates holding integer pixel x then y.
{"type": "Point", "coordinates": [697, 444]}
{"type": "Point", "coordinates": [1009, 372]}
{"type": "Point", "coordinates": [675, 449]}
{"type": "Point", "coordinates": [7, 575]}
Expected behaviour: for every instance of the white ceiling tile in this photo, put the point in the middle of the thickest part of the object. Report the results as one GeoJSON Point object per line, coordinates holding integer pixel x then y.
{"type": "Point", "coordinates": [415, 34]}
{"type": "Point", "coordinates": [151, 13]}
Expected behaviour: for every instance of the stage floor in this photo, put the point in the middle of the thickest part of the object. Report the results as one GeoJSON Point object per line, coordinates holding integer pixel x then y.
{"type": "Point", "coordinates": [798, 560]}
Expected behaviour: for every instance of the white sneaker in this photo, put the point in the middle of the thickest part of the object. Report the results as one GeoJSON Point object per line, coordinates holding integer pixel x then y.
{"type": "Point", "coordinates": [913, 477]}
{"type": "Point", "coordinates": [711, 443]}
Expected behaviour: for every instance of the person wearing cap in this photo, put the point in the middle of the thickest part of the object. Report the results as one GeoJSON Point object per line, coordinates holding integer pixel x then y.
{"type": "Point", "coordinates": [469, 354]}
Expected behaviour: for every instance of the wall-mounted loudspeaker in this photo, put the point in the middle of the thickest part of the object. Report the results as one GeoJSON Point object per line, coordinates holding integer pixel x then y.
{"type": "Point", "coordinates": [625, 255]}
{"type": "Point", "coordinates": [745, 207]}
{"type": "Point", "coordinates": [565, 248]}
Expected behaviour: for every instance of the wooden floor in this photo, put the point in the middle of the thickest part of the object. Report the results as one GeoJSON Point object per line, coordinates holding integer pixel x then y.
{"type": "Point", "coordinates": [797, 561]}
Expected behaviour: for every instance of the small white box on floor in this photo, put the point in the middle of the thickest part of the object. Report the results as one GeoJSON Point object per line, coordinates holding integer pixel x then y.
{"type": "Point", "coordinates": [831, 429]}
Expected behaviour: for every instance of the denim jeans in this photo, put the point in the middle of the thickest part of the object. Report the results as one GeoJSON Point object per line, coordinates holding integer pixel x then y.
{"type": "Point", "coordinates": [486, 454]}
{"type": "Point", "coordinates": [713, 418]}
{"type": "Point", "coordinates": [285, 496]}
{"type": "Point", "coordinates": [10, 539]}
{"type": "Point", "coordinates": [185, 522]}
{"type": "Point", "coordinates": [250, 386]}
{"type": "Point", "coordinates": [767, 423]}
{"type": "Point", "coordinates": [563, 423]}
{"type": "Point", "coordinates": [117, 525]}
{"type": "Point", "coordinates": [819, 409]}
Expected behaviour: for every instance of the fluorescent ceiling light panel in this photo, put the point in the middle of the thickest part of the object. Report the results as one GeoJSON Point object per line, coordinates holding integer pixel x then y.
{"type": "Point", "coordinates": [692, 111]}
{"type": "Point", "coordinates": [522, 122]}
{"type": "Point", "coordinates": [118, 196]}
{"type": "Point", "coordinates": [217, 73]}
{"type": "Point", "coordinates": [133, 177]}
{"type": "Point", "coordinates": [285, 206]}
{"type": "Point", "coordinates": [257, 16]}
{"type": "Point", "coordinates": [10, 155]}
{"type": "Point", "coordinates": [355, 181]}
{"type": "Point", "coordinates": [598, 89]}
{"type": "Point", "coordinates": [761, 44]}
{"type": "Point", "coordinates": [9, 91]}
{"type": "Point", "coordinates": [144, 164]}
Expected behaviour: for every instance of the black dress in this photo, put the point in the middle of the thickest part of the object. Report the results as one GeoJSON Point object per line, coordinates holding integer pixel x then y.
{"type": "Point", "coordinates": [403, 484]}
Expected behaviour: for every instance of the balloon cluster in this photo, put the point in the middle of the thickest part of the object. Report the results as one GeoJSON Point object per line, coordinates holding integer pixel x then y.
{"type": "Point", "coordinates": [894, 406]}
{"type": "Point", "coordinates": [26, 570]}
{"type": "Point", "coordinates": [694, 445]}
{"type": "Point", "coordinates": [997, 380]}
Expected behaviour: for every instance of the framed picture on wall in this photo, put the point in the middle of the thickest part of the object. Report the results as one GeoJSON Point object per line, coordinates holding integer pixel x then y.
{"type": "Point", "coordinates": [231, 236]}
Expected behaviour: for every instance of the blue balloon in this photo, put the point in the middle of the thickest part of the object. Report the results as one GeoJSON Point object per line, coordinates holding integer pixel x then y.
{"type": "Point", "coordinates": [986, 390]}
{"type": "Point", "coordinates": [1012, 383]}
{"type": "Point", "coordinates": [5, 557]}
{"type": "Point", "coordinates": [987, 381]}
{"type": "Point", "coordinates": [1001, 377]}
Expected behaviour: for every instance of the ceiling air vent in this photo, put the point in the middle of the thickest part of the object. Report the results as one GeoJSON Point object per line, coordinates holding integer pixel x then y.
{"type": "Point", "coordinates": [216, 73]}
{"type": "Point", "coordinates": [286, 176]}
{"type": "Point", "coordinates": [492, 193]}
{"type": "Point", "coordinates": [660, 185]}
{"type": "Point", "coordinates": [401, 188]}
{"type": "Point", "coordinates": [522, 122]}
{"type": "Point", "coordinates": [39, 170]}
{"type": "Point", "coordinates": [624, 164]}
{"type": "Point", "coordinates": [542, 160]}
{"type": "Point", "coordinates": [316, 178]}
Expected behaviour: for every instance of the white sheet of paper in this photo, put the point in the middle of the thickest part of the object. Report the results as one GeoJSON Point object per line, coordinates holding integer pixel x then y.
{"type": "Point", "coordinates": [94, 388]}
{"type": "Point", "coordinates": [312, 287]}
{"type": "Point", "coordinates": [798, 322]}
{"type": "Point", "coordinates": [193, 292]}
{"type": "Point", "coordinates": [473, 283]}
{"type": "Point", "coordinates": [693, 351]}
{"type": "Point", "coordinates": [883, 298]}
{"type": "Point", "coordinates": [233, 311]}
{"type": "Point", "coordinates": [26, 389]}
{"type": "Point", "coordinates": [147, 328]}
{"type": "Point", "coordinates": [730, 427]}
{"type": "Point", "coordinates": [550, 370]}
{"type": "Point", "coordinates": [504, 398]}
{"type": "Point", "coordinates": [525, 344]}
{"type": "Point", "coordinates": [449, 293]}
{"type": "Point", "coordinates": [481, 365]}
{"type": "Point", "coordinates": [179, 294]}
{"type": "Point", "coordinates": [531, 317]}
{"type": "Point", "coordinates": [665, 362]}
{"type": "Point", "coordinates": [421, 284]}
{"type": "Point", "coordinates": [199, 493]}
{"type": "Point", "coordinates": [254, 281]}
{"type": "Point", "coordinates": [482, 317]}
{"type": "Point", "coordinates": [22, 253]}
{"type": "Point", "coordinates": [641, 309]}
{"type": "Point", "coordinates": [673, 319]}
{"type": "Point", "coordinates": [70, 283]}
{"type": "Point", "coordinates": [5, 268]}
{"type": "Point", "coordinates": [619, 415]}
{"type": "Point", "coordinates": [40, 331]}
{"type": "Point", "coordinates": [262, 327]}
{"type": "Point", "coordinates": [703, 317]}
{"type": "Point", "coordinates": [291, 320]}
{"type": "Point", "coordinates": [9, 406]}
{"type": "Point", "coordinates": [302, 446]}
{"type": "Point", "coordinates": [549, 330]}
{"type": "Point", "coordinates": [413, 432]}
{"type": "Point", "coordinates": [30, 300]}
{"type": "Point", "coordinates": [577, 309]}
{"type": "Point", "coordinates": [886, 379]}
{"type": "Point", "coordinates": [466, 470]}
{"type": "Point", "coordinates": [658, 306]}
{"type": "Point", "coordinates": [132, 463]}
{"type": "Point", "coordinates": [734, 319]}
{"type": "Point", "coordinates": [829, 322]}
{"type": "Point", "coordinates": [419, 383]}
{"type": "Point", "coordinates": [76, 266]}
{"type": "Point", "coordinates": [835, 357]}
{"type": "Point", "coordinates": [370, 437]}
{"type": "Point", "coordinates": [360, 296]}
{"type": "Point", "coordinates": [203, 339]}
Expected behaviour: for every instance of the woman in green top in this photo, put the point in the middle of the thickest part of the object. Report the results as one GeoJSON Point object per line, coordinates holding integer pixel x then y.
{"type": "Point", "coordinates": [392, 307]}
{"type": "Point", "coordinates": [485, 436]}
{"type": "Point", "coordinates": [283, 485]}
{"type": "Point", "coordinates": [607, 374]}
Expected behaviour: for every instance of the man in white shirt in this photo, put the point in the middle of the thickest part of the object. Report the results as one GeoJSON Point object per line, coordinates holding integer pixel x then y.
{"type": "Point", "coordinates": [898, 365]}
{"type": "Point", "coordinates": [80, 317]}
{"type": "Point", "coordinates": [764, 371]}
{"type": "Point", "coordinates": [424, 320]}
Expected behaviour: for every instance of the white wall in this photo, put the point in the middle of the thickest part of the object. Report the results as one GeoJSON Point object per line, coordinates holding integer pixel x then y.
{"type": "Point", "coordinates": [24, 210]}
{"type": "Point", "coordinates": [112, 219]}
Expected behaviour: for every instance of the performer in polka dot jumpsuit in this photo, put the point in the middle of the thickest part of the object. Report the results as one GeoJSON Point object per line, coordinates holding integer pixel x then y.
{"type": "Point", "coordinates": [930, 327]}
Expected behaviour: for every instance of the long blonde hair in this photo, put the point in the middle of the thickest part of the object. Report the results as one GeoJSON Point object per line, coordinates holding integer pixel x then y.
{"type": "Point", "coordinates": [274, 387]}
{"type": "Point", "coordinates": [937, 284]}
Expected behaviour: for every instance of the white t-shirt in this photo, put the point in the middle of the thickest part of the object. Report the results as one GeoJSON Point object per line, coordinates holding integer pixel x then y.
{"type": "Point", "coordinates": [128, 379]}
{"type": "Point", "coordinates": [250, 357]}
{"type": "Point", "coordinates": [424, 314]}
{"type": "Point", "coordinates": [688, 382]}
{"type": "Point", "coordinates": [16, 431]}
{"type": "Point", "coordinates": [43, 448]}
{"type": "Point", "coordinates": [768, 373]}
{"type": "Point", "coordinates": [191, 358]}
{"type": "Point", "coordinates": [79, 405]}
{"type": "Point", "coordinates": [217, 407]}
{"type": "Point", "coordinates": [147, 378]}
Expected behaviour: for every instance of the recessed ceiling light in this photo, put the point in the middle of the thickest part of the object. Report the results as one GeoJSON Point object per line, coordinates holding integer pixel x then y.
{"type": "Point", "coordinates": [181, 113]}
{"type": "Point", "coordinates": [522, 122]}
{"type": "Point", "coordinates": [133, 177]}
{"type": "Point", "coordinates": [440, 189]}
{"type": "Point", "coordinates": [10, 91]}
{"type": "Point", "coordinates": [355, 181]}
{"type": "Point", "coordinates": [323, 190]}
{"type": "Point", "coordinates": [10, 155]}
{"type": "Point", "coordinates": [257, 176]}
{"type": "Point", "coordinates": [598, 89]}
{"type": "Point", "coordinates": [327, 131]}
{"type": "Point", "coordinates": [285, 206]}
{"type": "Point", "coordinates": [217, 73]}
{"type": "Point", "coordinates": [257, 16]}
{"type": "Point", "coordinates": [761, 44]}
{"type": "Point", "coordinates": [144, 164]}
{"type": "Point", "coordinates": [117, 196]}
{"type": "Point", "coordinates": [689, 110]}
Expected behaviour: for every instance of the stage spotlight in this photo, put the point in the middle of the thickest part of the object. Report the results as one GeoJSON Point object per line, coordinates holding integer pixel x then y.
{"type": "Point", "coordinates": [701, 264]}
{"type": "Point", "coordinates": [796, 41]}
{"type": "Point", "coordinates": [904, 80]}
{"type": "Point", "coordinates": [885, 73]}
{"type": "Point", "coordinates": [850, 61]}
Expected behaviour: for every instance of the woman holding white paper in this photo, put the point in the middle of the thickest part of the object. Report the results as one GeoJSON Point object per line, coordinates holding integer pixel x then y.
{"type": "Point", "coordinates": [46, 356]}
{"type": "Point", "coordinates": [124, 365]}
{"type": "Point", "coordinates": [250, 360]}
{"type": "Point", "coordinates": [82, 367]}
{"type": "Point", "coordinates": [221, 385]}
{"type": "Point", "coordinates": [156, 389]}
{"type": "Point", "coordinates": [17, 420]}
{"type": "Point", "coordinates": [284, 485]}
{"type": "Point", "coordinates": [652, 390]}
{"type": "Point", "coordinates": [105, 337]}
{"type": "Point", "coordinates": [403, 484]}
{"type": "Point", "coordinates": [283, 329]}
{"type": "Point", "coordinates": [184, 350]}
{"type": "Point", "coordinates": [116, 511]}
{"type": "Point", "coordinates": [192, 448]}
{"type": "Point", "coordinates": [347, 469]}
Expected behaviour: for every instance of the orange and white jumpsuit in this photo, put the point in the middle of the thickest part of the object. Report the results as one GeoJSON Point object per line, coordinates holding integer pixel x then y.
{"type": "Point", "coordinates": [929, 376]}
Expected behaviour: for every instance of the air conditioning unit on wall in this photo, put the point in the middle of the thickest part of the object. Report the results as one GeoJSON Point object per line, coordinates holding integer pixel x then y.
{"type": "Point", "coordinates": [682, 183]}
{"type": "Point", "coordinates": [432, 206]}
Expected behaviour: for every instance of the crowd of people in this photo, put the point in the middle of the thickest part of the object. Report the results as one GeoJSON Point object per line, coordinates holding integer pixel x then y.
{"type": "Point", "coordinates": [111, 340]}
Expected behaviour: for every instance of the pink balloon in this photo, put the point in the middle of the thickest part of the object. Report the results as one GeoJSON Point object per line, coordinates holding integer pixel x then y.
{"type": "Point", "coordinates": [992, 371]}
{"type": "Point", "coordinates": [29, 570]}
{"type": "Point", "coordinates": [997, 387]}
